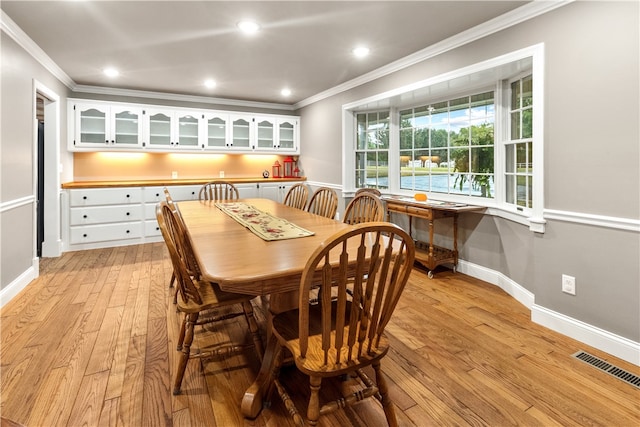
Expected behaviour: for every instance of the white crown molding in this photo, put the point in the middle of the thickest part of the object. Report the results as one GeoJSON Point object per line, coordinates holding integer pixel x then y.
{"type": "Point", "coordinates": [100, 90]}
{"type": "Point", "coordinates": [12, 30]}
{"type": "Point", "coordinates": [514, 17]}
{"type": "Point", "coordinates": [509, 19]}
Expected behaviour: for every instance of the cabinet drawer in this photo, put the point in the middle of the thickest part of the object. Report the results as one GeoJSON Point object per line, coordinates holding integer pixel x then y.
{"type": "Point", "coordinates": [150, 211]}
{"type": "Point", "coordinates": [105, 196]}
{"type": "Point", "coordinates": [105, 232]}
{"type": "Point", "coordinates": [104, 214]}
{"type": "Point", "coordinates": [153, 194]}
{"type": "Point", "coordinates": [184, 192]}
{"type": "Point", "coordinates": [151, 228]}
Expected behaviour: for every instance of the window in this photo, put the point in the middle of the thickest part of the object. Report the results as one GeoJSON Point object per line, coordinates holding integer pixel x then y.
{"type": "Point", "coordinates": [372, 150]}
{"type": "Point", "coordinates": [468, 136]}
{"type": "Point", "coordinates": [447, 147]}
{"type": "Point", "coordinates": [519, 146]}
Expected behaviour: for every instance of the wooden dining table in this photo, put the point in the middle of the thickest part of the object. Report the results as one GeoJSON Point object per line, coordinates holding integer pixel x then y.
{"type": "Point", "coordinates": [239, 261]}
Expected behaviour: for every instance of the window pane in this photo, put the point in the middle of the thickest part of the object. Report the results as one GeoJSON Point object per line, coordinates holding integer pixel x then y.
{"type": "Point", "coordinates": [515, 95]}
{"type": "Point", "coordinates": [509, 158]}
{"type": "Point", "coordinates": [530, 157]}
{"type": "Point", "coordinates": [527, 123]}
{"type": "Point", "coordinates": [515, 125]}
{"type": "Point", "coordinates": [439, 137]}
{"type": "Point", "coordinates": [406, 139]}
{"type": "Point", "coordinates": [406, 119]}
{"type": "Point", "coordinates": [421, 138]}
{"type": "Point", "coordinates": [510, 186]}
{"type": "Point", "coordinates": [482, 159]}
{"type": "Point", "coordinates": [521, 158]}
{"type": "Point", "coordinates": [482, 134]}
{"type": "Point", "coordinates": [421, 117]}
{"type": "Point", "coordinates": [527, 91]}
{"type": "Point", "coordinates": [442, 158]}
{"type": "Point", "coordinates": [361, 162]}
{"type": "Point", "coordinates": [522, 191]}
{"type": "Point", "coordinates": [460, 157]}
{"type": "Point", "coordinates": [362, 131]}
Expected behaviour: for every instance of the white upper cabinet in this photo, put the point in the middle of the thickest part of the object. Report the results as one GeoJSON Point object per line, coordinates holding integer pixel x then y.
{"type": "Point", "coordinates": [172, 129]}
{"type": "Point", "coordinates": [105, 126]}
{"type": "Point", "coordinates": [265, 133]}
{"type": "Point", "coordinates": [288, 135]}
{"type": "Point", "coordinates": [101, 125]}
{"type": "Point", "coordinates": [242, 133]}
{"type": "Point", "coordinates": [215, 131]}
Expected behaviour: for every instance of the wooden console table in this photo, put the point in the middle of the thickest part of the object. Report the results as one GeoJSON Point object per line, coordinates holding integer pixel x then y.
{"type": "Point", "coordinates": [428, 254]}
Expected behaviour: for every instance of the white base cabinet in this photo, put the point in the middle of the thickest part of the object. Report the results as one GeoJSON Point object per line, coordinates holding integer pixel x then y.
{"type": "Point", "coordinates": [104, 217]}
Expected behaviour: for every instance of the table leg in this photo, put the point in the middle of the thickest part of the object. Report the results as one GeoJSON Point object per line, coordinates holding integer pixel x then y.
{"type": "Point", "coordinates": [257, 391]}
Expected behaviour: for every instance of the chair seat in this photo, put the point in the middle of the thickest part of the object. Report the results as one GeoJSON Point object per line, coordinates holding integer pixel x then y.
{"type": "Point", "coordinates": [285, 328]}
{"type": "Point", "coordinates": [212, 296]}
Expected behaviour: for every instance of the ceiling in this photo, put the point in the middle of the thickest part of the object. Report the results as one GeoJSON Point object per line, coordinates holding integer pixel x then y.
{"type": "Point", "coordinates": [173, 46]}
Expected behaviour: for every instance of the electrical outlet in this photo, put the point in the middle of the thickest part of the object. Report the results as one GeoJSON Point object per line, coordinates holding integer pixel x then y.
{"type": "Point", "coordinates": [174, 174]}
{"type": "Point", "coordinates": [568, 284]}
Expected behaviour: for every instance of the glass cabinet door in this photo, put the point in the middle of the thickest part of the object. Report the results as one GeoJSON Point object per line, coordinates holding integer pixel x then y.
{"type": "Point", "coordinates": [93, 125]}
{"type": "Point", "coordinates": [286, 135]}
{"type": "Point", "coordinates": [265, 130]}
{"type": "Point", "coordinates": [159, 129]}
{"type": "Point", "coordinates": [126, 127]}
{"type": "Point", "coordinates": [187, 130]}
{"type": "Point", "coordinates": [241, 133]}
{"type": "Point", "coordinates": [216, 131]}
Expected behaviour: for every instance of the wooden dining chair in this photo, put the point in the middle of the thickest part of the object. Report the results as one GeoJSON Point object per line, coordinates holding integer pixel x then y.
{"type": "Point", "coordinates": [218, 190]}
{"type": "Point", "coordinates": [297, 196]}
{"type": "Point", "coordinates": [343, 333]}
{"type": "Point", "coordinates": [324, 202]}
{"type": "Point", "coordinates": [197, 297]}
{"type": "Point", "coordinates": [368, 190]}
{"type": "Point", "coordinates": [364, 207]}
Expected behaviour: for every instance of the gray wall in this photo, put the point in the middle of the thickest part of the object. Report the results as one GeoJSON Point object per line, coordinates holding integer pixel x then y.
{"type": "Point", "coordinates": [591, 163]}
{"type": "Point", "coordinates": [17, 196]}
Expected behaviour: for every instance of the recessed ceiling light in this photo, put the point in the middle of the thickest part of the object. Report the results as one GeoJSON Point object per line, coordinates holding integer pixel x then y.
{"type": "Point", "coordinates": [285, 92]}
{"type": "Point", "coordinates": [248, 27]}
{"type": "Point", "coordinates": [210, 83]}
{"type": "Point", "coordinates": [361, 51]}
{"type": "Point", "coordinates": [111, 72]}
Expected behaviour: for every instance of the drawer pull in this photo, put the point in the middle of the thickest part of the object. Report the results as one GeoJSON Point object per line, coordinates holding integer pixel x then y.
{"type": "Point", "coordinates": [84, 235]}
{"type": "Point", "coordinates": [127, 231]}
{"type": "Point", "coordinates": [128, 196]}
{"type": "Point", "coordinates": [84, 216]}
{"type": "Point", "coordinates": [128, 213]}
{"type": "Point", "coordinates": [157, 194]}
{"type": "Point", "coordinates": [84, 197]}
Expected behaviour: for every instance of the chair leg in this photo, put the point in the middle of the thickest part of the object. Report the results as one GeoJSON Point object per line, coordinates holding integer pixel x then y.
{"type": "Point", "coordinates": [190, 321]}
{"type": "Point", "coordinates": [313, 411]}
{"type": "Point", "coordinates": [182, 332]}
{"type": "Point", "coordinates": [253, 327]}
{"type": "Point", "coordinates": [387, 404]}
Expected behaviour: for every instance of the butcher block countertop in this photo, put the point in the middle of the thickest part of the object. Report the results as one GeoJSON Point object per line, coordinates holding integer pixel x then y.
{"type": "Point", "coordinates": [165, 182]}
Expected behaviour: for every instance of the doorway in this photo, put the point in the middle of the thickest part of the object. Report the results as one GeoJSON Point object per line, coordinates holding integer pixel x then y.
{"type": "Point", "coordinates": [46, 172]}
{"type": "Point", "coordinates": [40, 207]}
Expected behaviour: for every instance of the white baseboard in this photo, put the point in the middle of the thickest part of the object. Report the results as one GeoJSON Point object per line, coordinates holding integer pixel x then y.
{"type": "Point", "coordinates": [521, 295]}
{"type": "Point", "coordinates": [613, 344]}
{"type": "Point", "coordinates": [21, 282]}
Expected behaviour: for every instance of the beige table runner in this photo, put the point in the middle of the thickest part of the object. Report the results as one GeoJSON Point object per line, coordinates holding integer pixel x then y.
{"type": "Point", "coordinates": [263, 224]}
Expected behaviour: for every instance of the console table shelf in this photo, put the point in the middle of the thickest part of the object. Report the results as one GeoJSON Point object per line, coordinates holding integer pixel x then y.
{"type": "Point", "coordinates": [428, 254]}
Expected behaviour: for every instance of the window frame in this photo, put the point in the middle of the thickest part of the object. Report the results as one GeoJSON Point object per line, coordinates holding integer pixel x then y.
{"type": "Point", "coordinates": [532, 217]}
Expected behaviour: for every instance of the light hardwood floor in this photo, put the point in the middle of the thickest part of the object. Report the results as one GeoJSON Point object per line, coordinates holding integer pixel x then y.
{"type": "Point", "coordinates": [92, 342]}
